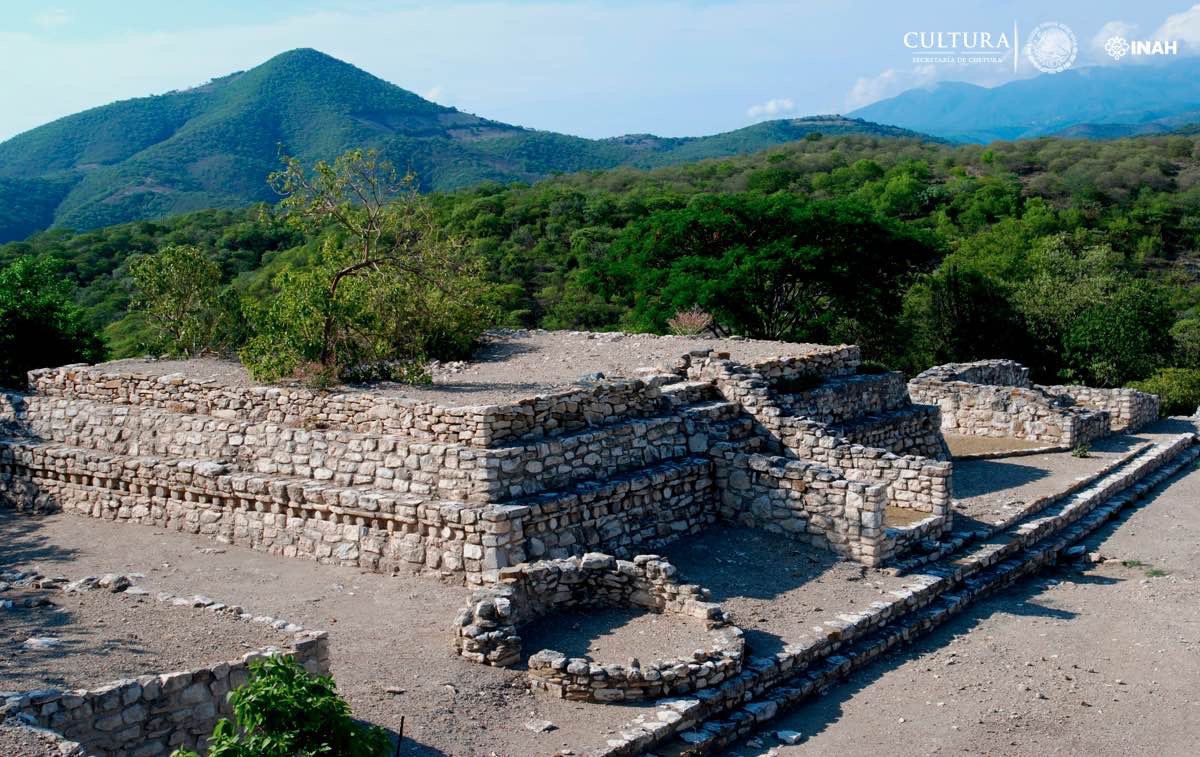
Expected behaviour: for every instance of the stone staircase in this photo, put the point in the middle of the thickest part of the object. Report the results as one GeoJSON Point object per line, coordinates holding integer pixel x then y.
{"type": "Point", "coordinates": [986, 562]}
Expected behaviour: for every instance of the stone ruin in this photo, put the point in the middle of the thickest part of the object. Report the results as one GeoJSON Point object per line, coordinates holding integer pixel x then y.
{"type": "Point", "coordinates": [548, 502]}
{"type": "Point", "coordinates": [806, 445]}
{"type": "Point", "coordinates": [996, 398]}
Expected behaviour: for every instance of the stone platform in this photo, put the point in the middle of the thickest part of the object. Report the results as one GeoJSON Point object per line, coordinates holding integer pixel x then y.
{"type": "Point", "coordinates": [803, 443]}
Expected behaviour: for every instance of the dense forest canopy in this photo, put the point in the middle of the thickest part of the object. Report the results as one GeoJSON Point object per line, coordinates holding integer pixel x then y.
{"type": "Point", "coordinates": [1077, 257]}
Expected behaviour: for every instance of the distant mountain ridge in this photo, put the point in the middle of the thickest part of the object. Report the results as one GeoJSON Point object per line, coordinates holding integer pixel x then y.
{"type": "Point", "coordinates": [213, 146]}
{"type": "Point", "coordinates": [1098, 102]}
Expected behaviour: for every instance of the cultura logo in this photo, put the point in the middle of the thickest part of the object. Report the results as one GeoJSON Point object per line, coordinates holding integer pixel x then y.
{"type": "Point", "coordinates": [1051, 47]}
{"type": "Point", "coordinates": [1117, 47]}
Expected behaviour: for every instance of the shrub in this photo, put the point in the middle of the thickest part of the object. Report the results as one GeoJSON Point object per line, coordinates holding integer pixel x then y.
{"type": "Point", "coordinates": [1178, 388]}
{"type": "Point", "coordinates": [282, 711]}
{"type": "Point", "coordinates": [40, 325]}
{"type": "Point", "coordinates": [690, 322]}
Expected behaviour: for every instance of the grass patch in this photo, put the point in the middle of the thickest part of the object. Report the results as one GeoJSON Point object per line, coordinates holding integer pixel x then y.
{"type": "Point", "coordinates": [1134, 564]}
{"type": "Point", "coordinates": [1156, 573]}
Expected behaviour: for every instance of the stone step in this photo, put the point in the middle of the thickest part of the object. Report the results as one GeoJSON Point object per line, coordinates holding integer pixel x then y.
{"type": "Point", "coordinates": [945, 581]}
{"type": "Point", "coordinates": [713, 734]}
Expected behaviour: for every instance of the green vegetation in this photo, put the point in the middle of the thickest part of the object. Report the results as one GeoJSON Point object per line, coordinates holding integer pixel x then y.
{"type": "Point", "coordinates": [211, 146]}
{"type": "Point", "coordinates": [282, 711]}
{"type": "Point", "coordinates": [179, 296]}
{"type": "Point", "coordinates": [1075, 258]}
{"type": "Point", "coordinates": [386, 288]}
{"type": "Point", "coordinates": [1178, 388]}
{"type": "Point", "coordinates": [40, 324]}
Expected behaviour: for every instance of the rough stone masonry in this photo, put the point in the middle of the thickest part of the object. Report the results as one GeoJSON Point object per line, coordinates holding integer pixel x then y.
{"type": "Point", "coordinates": [805, 444]}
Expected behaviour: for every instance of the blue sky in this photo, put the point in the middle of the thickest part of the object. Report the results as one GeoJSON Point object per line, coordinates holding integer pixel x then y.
{"type": "Point", "coordinates": [590, 68]}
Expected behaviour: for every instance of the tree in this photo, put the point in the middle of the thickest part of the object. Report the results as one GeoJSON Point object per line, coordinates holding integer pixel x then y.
{"type": "Point", "coordinates": [178, 290]}
{"type": "Point", "coordinates": [40, 324]}
{"type": "Point", "coordinates": [958, 314]}
{"type": "Point", "coordinates": [1121, 340]}
{"type": "Point", "coordinates": [772, 267]}
{"type": "Point", "coordinates": [386, 286]}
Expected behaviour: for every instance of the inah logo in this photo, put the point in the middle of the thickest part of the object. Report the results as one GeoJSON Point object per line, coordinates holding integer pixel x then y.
{"type": "Point", "coordinates": [1051, 47]}
{"type": "Point", "coordinates": [1117, 47]}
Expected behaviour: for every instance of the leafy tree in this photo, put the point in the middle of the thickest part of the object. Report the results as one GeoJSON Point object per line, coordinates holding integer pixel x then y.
{"type": "Point", "coordinates": [958, 314]}
{"type": "Point", "coordinates": [178, 292]}
{"type": "Point", "coordinates": [40, 324]}
{"type": "Point", "coordinates": [1121, 340]}
{"type": "Point", "coordinates": [386, 285]}
{"type": "Point", "coordinates": [775, 267]}
{"type": "Point", "coordinates": [282, 711]}
{"type": "Point", "coordinates": [1186, 335]}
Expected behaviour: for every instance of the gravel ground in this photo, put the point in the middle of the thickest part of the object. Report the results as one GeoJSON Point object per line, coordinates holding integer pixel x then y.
{"type": "Point", "coordinates": [18, 741]}
{"type": "Point", "coordinates": [616, 636]}
{"type": "Point", "coordinates": [516, 366]}
{"type": "Point", "coordinates": [386, 633]}
{"type": "Point", "coordinates": [1098, 660]}
{"type": "Point", "coordinates": [100, 637]}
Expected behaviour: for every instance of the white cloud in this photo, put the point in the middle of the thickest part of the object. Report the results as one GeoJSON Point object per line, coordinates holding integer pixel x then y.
{"type": "Point", "coordinates": [434, 93]}
{"type": "Point", "coordinates": [867, 90]}
{"type": "Point", "coordinates": [52, 18]}
{"type": "Point", "coordinates": [1182, 27]}
{"type": "Point", "coordinates": [776, 106]}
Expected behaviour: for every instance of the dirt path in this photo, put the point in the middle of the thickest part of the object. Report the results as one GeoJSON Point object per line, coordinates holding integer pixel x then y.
{"type": "Point", "coordinates": [1103, 660]}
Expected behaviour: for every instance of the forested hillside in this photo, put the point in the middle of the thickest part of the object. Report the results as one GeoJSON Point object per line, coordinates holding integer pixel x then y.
{"type": "Point", "coordinates": [1079, 258]}
{"type": "Point", "coordinates": [212, 146]}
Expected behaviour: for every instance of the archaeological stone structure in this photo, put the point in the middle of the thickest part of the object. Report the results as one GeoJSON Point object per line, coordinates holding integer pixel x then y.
{"type": "Point", "coordinates": [996, 398]}
{"type": "Point", "coordinates": [805, 444]}
{"type": "Point", "coordinates": [557, 502]}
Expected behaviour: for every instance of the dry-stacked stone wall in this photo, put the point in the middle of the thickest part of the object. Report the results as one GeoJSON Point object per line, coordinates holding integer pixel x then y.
{"type": "Point", "coordinates": [1129, 409]}
{"type": "Point", "coordinates": [996, 398]}
{"type": "Point", "coordinates": [157, 712]}
{"type": "Point", "coordinates": [488, 630]}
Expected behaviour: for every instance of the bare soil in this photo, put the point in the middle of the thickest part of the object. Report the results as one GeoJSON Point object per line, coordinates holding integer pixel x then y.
{"type": "Point", "coordinates": [990, 490]}
{"type": "Point", "coordinates": [102, 637]}
{"type": "Point", "coordinates": [615, 636]}
{"type": "Point", "coordinates": [513, 365]}
{"type": "Point", "coordinates": [1097, 659]}
{"type": "Point", "coordinates": [978, 445]}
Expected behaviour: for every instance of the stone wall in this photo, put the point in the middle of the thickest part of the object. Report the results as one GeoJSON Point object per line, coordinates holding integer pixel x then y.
{"type": "Point", "coordinates": [1129, 409]}
{"type": "Point", "coordinates": [487, 631]}
{"type": "Point", "coordinates": [975, 401]}
{"type": "Point", "coordinates": [154, 713]}
{"type": "Point", "coordinates": [362, 411]}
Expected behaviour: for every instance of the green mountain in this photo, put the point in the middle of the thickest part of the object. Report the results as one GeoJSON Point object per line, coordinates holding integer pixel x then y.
{"type": "Point", "coordinates": [213, 146]}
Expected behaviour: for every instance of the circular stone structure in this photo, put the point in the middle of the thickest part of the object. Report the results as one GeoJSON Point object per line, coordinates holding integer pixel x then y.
{"type": "Point", "coordinates": [487, 630]}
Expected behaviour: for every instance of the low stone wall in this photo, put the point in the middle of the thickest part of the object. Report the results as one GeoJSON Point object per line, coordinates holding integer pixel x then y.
{"type": "Point", "coordinates": [973, 402]}
{"type": "Point", "coordinates": [361, 411]}
{"type": "Point", "coordinates": [487, 631]}
{"type": "Point", "coordinates": [847, 398]}
{"type": "Point", "coordinates": [623, 515]}
{"type": "Point", "coordinates": [914, 430]}
{"type": "Point", "coordinates": [154, 713]}
{"type": "Point", "coordinates": [1129, 409]}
